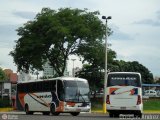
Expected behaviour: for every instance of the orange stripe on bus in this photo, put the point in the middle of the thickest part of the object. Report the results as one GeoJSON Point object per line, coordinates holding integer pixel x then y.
{"type": "Point", "coordinates": [21, 98]}
{"type": "Point", "coordinates": [60, 108]}
{"type": "Point", "coordinates": [48, 105]}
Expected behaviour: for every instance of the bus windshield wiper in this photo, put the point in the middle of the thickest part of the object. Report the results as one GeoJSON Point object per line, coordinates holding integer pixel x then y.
{"type": "Point", "coordinates": [82, 96]}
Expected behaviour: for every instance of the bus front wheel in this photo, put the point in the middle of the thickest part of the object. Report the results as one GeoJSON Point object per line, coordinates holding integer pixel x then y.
{"type": "Point", "coordinates": [53, 110]}
{"type": "Point", "coordinates": [75, 113]}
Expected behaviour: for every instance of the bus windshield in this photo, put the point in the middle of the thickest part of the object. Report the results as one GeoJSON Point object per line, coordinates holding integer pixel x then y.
{"type": "Point", "coordinates": [76, 91]}
{"type": "Point", "coordinates": [124, 80]}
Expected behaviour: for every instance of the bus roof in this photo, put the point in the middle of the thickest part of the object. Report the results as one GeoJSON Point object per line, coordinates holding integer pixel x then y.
{"type": "Point", "coordinates": [58, 78]}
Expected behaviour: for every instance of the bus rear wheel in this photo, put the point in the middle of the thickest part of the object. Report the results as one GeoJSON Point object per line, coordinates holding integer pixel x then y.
{"type": "Point", "coordinates": [27, 110]}
{"type": "Point", "coordinates": [139, 115]}
{"type": "Point", "coordinates": [75, 113]}
{"type": "Point", "coordinates": [111, 114]}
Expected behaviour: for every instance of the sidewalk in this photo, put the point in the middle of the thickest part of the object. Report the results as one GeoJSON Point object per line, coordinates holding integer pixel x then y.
{"type": "Point", "coordinates": [3, 110]}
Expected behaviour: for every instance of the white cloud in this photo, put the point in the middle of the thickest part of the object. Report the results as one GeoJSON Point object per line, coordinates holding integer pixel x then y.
{"type": "Point", "coordinates": [131, 41]}
{"type": "Point", "coordinates": [144, 48]}
{"type": "Point", "coordinates": [6, 61]}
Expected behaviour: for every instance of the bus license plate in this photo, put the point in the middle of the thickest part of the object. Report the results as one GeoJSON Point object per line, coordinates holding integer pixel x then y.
{"type": "Point", "coordinates": [123, 108]}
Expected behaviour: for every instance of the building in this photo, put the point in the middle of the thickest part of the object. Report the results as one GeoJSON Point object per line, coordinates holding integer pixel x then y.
{"type": "Point", "coordinates": [23, 76]}
{"type": "Point", "coordinates": [8, 86]}
{"type": "Point", "coordinates": [50, 72]}
{"type": "Point", "coordinates": [5, 89]}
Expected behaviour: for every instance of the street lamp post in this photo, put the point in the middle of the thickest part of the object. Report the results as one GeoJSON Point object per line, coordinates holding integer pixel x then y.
{"type": "Point", "coordinates": [105, 75]}
{"type": "Point", "coordinates": [73, 67]}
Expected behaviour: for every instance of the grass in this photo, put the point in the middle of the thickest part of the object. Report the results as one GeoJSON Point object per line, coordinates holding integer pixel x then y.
{"type": "Point", "coordinates": [96, 104]}
{"type": "Point", "coordinates": [153, 104]}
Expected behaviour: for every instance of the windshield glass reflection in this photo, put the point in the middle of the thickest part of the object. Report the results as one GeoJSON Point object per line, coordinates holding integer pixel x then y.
{"type": "Point", "coordinates": [76, 91]}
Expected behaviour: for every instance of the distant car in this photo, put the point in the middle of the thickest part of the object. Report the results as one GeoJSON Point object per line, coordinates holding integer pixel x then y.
{"type": "Point", "coordinates": [158, 93]}
{"type": "Point", "coordinates": [145, 97]}
{"type": "Point", "coordinates": [150, 93]}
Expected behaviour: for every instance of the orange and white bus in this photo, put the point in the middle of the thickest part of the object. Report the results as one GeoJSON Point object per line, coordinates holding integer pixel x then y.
{"type": "Point", "coordinates": [124, 94]}
{"type": "Point", "coordinates": [55, 96]}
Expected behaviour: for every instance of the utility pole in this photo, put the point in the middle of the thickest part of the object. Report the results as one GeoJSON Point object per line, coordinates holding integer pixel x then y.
{"type": "Point", "coordinates": [105, 74]}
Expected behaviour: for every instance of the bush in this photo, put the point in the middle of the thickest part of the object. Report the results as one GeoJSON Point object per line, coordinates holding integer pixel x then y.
{"type": "Point", "coordinates": [5, 102]}
{"type": "Point", "coordinates": [96, 103]}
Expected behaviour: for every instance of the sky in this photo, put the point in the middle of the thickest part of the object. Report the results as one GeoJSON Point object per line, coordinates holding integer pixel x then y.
{"type": "Point", "coordinates": [135, 25]}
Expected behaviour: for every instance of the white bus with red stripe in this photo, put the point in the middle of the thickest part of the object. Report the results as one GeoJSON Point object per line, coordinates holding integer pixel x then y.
{"type": "Point", "coordinates": [124, 94]}
{"type": "Point", "coordinates": [58, 95]}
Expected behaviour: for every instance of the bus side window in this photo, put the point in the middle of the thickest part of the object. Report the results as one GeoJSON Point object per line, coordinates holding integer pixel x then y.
{"type": "Point", "coordinates": [52, 86]}
{"type": "Point", "coordinates": [60, 90]}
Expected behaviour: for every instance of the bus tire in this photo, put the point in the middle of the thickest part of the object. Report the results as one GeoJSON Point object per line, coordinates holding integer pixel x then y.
{"type": "Point", "coordinates": [53, 110]}
{"type": "Point", "coordinates": [111, 115]}
{"type": "Point", "coordinates": [116, 115]}
{"type": "Point", "coordinates": [138, 115]}
{"type": "Point", "coordinates": [75, 113]}
{"type": "Point", "coordinates": [27, 110]}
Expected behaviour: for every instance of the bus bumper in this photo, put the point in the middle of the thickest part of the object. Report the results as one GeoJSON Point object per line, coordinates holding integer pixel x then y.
{"type": "Point", "coordinates": [129, 109]}
{"type": "Point", "coordinates": [77, 109]}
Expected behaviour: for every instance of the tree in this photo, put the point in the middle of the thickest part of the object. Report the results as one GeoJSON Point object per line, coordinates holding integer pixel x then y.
{"type": "Point", "coordinates": [122, 66]}
{"type": "Point", "coordinates": [94, 76]}
{"type": "Point", "coordinates": [158, 81]}
{"type": "Point", "coordinates": [54, 35]}
{"type": "Point", "coordinates": [94, 70]}
{"type": "Point", "coordinates": [2, 75]}
{"type": "Point", "coordinates": [94, 54]}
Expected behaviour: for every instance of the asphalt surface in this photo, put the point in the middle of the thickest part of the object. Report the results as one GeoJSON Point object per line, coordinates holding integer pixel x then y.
{"type": "Point", "coordinates": [67, 116]}
{"type": "Point", "coordinates": [62, 116]}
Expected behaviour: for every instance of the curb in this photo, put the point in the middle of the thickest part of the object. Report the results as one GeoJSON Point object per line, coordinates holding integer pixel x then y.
{"type": "Point", "coordinates": [6, 109]}
{"type": "Point", "coordinates": [98, 111]}
{"type": "Point", "coordinates": [151, 111]}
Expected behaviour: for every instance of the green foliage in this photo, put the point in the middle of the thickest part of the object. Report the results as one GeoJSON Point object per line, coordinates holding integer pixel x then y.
{"type": "Point", "coordinates": [96, 104]}
{"type": "Point", "coordinates": [122, 66]}
{"type": "Point", "coordinates": [158, 81]}
{"type": "Point", "coordinates": [54, 35]}
{"type": "Point", "coordinates": [2, 75]}
{"type": "Point", "coordinates": [94, 76]}
{"type": "Point", "coordinates": [5, 102]}
{"type": "Point", "coordinates": [94, 54]}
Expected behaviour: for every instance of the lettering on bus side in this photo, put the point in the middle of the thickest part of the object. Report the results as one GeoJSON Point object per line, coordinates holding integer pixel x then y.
{"type": "Point", "coordinates": [44, 96]}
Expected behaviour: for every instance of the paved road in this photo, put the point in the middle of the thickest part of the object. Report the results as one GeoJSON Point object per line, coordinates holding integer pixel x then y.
{"type": "Point", "coordinates": [64, 116]}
